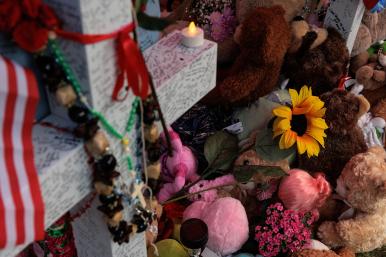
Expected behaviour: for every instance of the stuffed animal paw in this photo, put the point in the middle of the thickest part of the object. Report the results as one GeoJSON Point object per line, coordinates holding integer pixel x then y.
{"type": "Point", "coordinates": [328, 234]}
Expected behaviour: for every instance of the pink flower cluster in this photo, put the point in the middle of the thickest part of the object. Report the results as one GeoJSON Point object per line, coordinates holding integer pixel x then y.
{"type": "Point", "coordinates": [222, 24]}
{"type": "Point", "coordinates": [284, 231]}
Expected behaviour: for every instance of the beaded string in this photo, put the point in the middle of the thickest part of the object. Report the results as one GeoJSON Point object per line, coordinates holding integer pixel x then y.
{"type": "Point", "coordinates": [105, 123]}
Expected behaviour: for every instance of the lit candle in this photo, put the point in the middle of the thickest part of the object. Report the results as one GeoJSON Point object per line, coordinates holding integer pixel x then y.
{"type": "Point", "coordinates": [192, 36]}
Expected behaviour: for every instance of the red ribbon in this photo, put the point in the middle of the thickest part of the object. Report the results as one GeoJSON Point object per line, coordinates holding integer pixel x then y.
{"type": "Point", "coordinates": [342, 82]}
{"type": "Point", "coordinates": [130, 60]}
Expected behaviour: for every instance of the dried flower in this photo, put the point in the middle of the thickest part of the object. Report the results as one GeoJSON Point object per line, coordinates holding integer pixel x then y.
{"type": "Point", "coordinates": [284, 231]}
{"type": "Point", "coordinates": [265, 191]}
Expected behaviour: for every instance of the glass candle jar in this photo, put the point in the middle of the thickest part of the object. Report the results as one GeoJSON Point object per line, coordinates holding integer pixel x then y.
{"type": "Point", "coordinates": [194, 236]}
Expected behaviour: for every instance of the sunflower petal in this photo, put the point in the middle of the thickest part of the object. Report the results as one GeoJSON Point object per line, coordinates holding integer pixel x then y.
{"type": "Point", "coordinates": [301, 145]}
{"type": "Point", "coordinates": [287, 140]}
{"type": "Point", "coordinates": [312, 146]}
{"type": "Point", "coordinates": [283, 112]}
{"type": "Point", "coordinates": [294, 97]}
{"type": "Point", "coordinates": [304, 93]}
{"type": "Point", "coordinates": [301, 110]}
{"type": "Point", "coordinates": [284, 124]}
{"type": "Point", "coordinates": [290, 138]}
{"type": "Point", "coordinates": [317, 133]}
{"type": "Point", "coordinates": [318, 122]}
{"type": "Point", "coordinates": [318, 113]}
{"type": "Point", "coordinates": [282, 142]}
{"type": "Point", "coordinates": [277, 133]}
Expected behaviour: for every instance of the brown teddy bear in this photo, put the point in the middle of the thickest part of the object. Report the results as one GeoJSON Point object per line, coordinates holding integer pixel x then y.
{"type": "Point", "coordinates": [344, 137]}
{"type": "Point", "coordinates": [372, 29]}
{"type": "Point", "coordinates": [264, 39]}
{"type": "Point", "coordinates": [344, 252]}
{"type": "Point", "coordinates": [317, 58]}
{"type": "Point", "coordinates": [292, 7]}
{"type": "Point", "coordinates": [363, 185]}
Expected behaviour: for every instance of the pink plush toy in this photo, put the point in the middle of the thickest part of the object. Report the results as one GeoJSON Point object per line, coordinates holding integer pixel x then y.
{"type": "Point", "coordinates": [302, 192]}
{"type": "Point", "coordinates": [227, 223]}
{"type": "Point", "coordinates": [177, 169]}
{"type": "Point", "coordinates": [210, 195]}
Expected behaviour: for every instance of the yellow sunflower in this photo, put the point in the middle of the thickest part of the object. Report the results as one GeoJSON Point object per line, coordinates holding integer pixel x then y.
{"type": "Point", "coordinates": [303, 123]}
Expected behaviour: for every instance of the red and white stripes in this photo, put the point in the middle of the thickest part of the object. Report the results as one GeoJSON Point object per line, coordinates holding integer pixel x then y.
{"type": "Point", "coordinates": [21, 203]}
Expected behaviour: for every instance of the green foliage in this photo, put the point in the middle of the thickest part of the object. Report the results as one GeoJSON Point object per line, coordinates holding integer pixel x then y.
{"type": "Point", "coordinates": [244, 173]}
{"type": "Point", "coordinates": [221, 149]}
{"type": "Point", "coordinates": [268, 148]}
{"type": "Point", "coordinates": [152, 23]}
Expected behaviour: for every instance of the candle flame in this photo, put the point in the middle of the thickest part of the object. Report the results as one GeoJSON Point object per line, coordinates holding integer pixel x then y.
{"type": "Point", "coordinates": [192, 28]}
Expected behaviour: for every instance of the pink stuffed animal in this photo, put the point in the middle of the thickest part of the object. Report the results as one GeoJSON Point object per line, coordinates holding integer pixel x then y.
{"type": "Point", "coordinates": [210, 195]}
{"type": "Point", "coordinates": [177, 169]}
{"type": "Point", "coordinates": [227, 223]}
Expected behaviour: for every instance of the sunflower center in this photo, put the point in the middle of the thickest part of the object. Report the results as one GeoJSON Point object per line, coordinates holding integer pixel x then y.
{"type": "Point", "coordinates": [299, 124]}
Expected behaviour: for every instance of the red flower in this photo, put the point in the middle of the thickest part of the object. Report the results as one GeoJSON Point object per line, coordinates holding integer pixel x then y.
{"type": "Point", "coordinates": [10, 14]}
{"type": "Point", "coordinates": [48, 17]}
{"type": "Point", "coordinates": [30, 36]}
{"type": "Point", "coordinates": [31, 7]}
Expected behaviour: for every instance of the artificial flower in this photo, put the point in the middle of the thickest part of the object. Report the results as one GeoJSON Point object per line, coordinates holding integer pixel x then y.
{"type": "Point", "coordinates": [283, 231]}
{"type": "Point", "coordinates": [302, 123]}
{"type": "Point", "coordinates": [222, 24]}
{"type": "Point", "coordinates": [31, 7]}
{"type": "Point", "coordinates": [30, 36]}
{"type": "Point", "coordinates": [265, 191]}
{"type": "Point", "coordinates": [29, 22]}
{"type": "Point", "coordinates": [47, 17]}
{"type": "Point", "coordinates": [10, 14]}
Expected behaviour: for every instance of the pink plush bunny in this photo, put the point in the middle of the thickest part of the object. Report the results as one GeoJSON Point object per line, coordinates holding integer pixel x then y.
{"type": "Point", "coordinates": [177, 169]}
{"type": "Point", "coordinates": [210, 195]}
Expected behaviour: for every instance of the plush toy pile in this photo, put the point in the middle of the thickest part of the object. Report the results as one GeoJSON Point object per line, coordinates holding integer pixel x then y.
{"type": "Point", "coordinates": [298, 167]}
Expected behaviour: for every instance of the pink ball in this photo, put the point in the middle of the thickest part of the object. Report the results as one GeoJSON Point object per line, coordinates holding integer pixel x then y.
{"type": "Point", "coordinates": [227, 223]}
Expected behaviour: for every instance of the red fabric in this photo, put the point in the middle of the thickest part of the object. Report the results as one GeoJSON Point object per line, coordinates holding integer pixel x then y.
{"type": "Point", "coordinates": [30, 36]}
{"type": "Point", "coordinates": [342, 82]}
{"type": "Point", "coordinates": [10, 14]}
{"type": "Point", "coordinates": [29, 22]}
{"type": "Point", "coordinates": [28, 159]}
{"type": "Point", "coordinates": [174, 210]}
{"type": "Point", "coordinates": [370, 3]}
{"type": "Point", "coordinates": [130, 61]}
{"type": "Point", "coordinates": [8, 152]}
{"type": "Point", "coordinates": [3, 231]}
{"type": "Point", "coordinates": [48, 17]}
{"type": "Point", "coordinates": [31, 7]}
{"type": "Point", "coordinates": [21, 203]}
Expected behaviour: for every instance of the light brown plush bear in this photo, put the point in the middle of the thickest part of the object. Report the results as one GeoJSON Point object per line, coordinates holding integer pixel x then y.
{"type": "Point", "coordinates": [372, 76]}
{"type": "Point", "coordinates": [372, 29]}
{"type": "Point", "coordinates": [370, 71]}
{"type": "Point", "coordinates": [363, 184]}
{"type": "Point", "coordinates": [345, 252]}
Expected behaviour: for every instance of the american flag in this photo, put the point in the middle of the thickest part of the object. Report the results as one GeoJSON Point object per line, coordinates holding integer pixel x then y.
{"type": "Point", "coordinates": [21, 203]}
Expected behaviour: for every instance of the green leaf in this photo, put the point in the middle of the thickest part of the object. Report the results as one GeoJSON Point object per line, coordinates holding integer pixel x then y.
{"type": "Point", "coordinates": [152, 23]}
{"type": "Point", "coordinates": [246, 172]}
{"type": "Point", "coordinates": [221, 149]}
{"type": "Point", "coordinates": [268, 148]}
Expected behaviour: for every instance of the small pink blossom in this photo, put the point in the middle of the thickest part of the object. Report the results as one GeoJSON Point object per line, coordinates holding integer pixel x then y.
{"type": "Point", "coordinates": [283, 231]}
